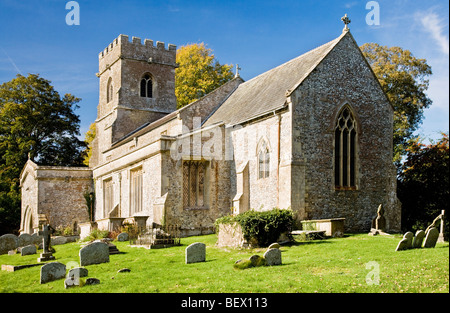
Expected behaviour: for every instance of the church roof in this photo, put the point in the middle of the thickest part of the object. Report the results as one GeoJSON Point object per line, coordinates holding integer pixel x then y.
{"type": "Point", "coordinates": [268, 91]}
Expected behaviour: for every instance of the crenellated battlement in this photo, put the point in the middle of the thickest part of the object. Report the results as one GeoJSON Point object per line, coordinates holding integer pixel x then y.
{"type": "Point", "coordinates": [123, 43]}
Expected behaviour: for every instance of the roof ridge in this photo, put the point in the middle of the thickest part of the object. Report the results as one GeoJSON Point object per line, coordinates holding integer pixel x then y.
{"type": "Point", "coordinates": [296, 58]}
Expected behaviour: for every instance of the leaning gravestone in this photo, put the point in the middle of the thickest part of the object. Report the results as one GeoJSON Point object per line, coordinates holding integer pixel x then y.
{"type": "Point", "coordinates": [431, 238]}
{"type": "Point", "coordinates": [409, 236]}
{"type": "Point", "coordinates": [418, 239]}
{"type": "Point", "coordinates": [402, 245]}
{"type": "Point", "coordinates": [196, 252]}
{"type": "Point", "coordinates": [273, 256]}
{"type": "Point", "coordinates": [94, 253]}
{"type": "Point", "coordinates": [52, 271]}
{"type": "Point", "coordinates": [8, 242]}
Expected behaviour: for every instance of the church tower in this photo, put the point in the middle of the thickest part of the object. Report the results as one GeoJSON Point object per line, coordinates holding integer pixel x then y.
{"type": "Point", "coordinates": [137, 86]}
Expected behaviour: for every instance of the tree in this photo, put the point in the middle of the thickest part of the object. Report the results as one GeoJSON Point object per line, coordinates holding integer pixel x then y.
{"type": "Point", "coordinates": [404, 80]}
{"type": "Point", "coordinates": [35, 122]}
{"type": "Point", "coordinates": [423, 186]}
{"type": "Point", "coordinates": [198, 73]}
{"type": "Point", "coordinates": [89, 138]}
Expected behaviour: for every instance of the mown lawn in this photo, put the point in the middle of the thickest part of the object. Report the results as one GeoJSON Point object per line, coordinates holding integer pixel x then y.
{"type": "Point", "coordinates": [323, 266]}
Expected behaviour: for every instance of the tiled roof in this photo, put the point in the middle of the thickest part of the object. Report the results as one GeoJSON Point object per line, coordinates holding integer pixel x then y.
{"type": "Point", "coordinates": [268, 91]}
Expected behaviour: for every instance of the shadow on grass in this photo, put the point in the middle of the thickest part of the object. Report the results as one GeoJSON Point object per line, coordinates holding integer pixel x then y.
{"type": "Point", "coordinates": [307, 242]}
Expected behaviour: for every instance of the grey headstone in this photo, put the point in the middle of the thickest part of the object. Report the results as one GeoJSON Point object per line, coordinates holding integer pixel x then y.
{"type": "Point", "coordinates": [59, 240]}
{"type": "Point", "coordinates": [409, 236]}
{"type": "Point", "coordinates": [196, 252]}
{"type": "Point", "coordinates": [71, 282]}
{"type": "Point", "coordinates": [27, 250]}
{"type": "Point", "coordinates": [78, 272]}
{"type": "Point", "coordinates": [52, 271]}
{"type": "Point", "coordinates": [274, 246]}
{"type": "Point", "coordinates": [123, 237]}
{"type": "Point", "coordinates": [92, 281]}
{"type": "Point", "coordinates": [402, 245]}
{"type": "Point", "coordinates": [431, 238]}
{"type": "Point", "coordinates": [8, 242]}
{"type": "Point", "coordinates": [273, 257]}
{"type": "Point", "coordinates": [24, 240]}
{"type": "Point", "coordinates": [94, 253]}
{"type": "Point", "coordinates": [257, 260]}
{"type": "Point", "coordinates": [418, 239]}
{"type": "Point", "coordinates": [36, 238]}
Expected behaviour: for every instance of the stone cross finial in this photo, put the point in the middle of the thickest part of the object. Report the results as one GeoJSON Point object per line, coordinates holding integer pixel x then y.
{"type": "Point", "coordinates": [237, 70]}
{"type": "Point", "coordinates": [346, 21]}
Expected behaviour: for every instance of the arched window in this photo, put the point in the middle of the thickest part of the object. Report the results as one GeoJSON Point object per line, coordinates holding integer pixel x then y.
{"type": "Point", "coordinates": [345, 150]}
{"type": "Point", "coordinates": [109, 90]}
{"type": "Point", "coordinates": [147, 86]}
{"type": "Point", "coordinates": [263, 161]}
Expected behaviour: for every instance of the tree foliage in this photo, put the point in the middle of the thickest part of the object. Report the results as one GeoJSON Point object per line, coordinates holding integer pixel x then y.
{"type": "Point", "coordinates": [404, 80]}
{"type": "Point", "coordinates": [423, 186]}
{"type": "Point", "coordinates": [35, 122]}
{"type": "Point", "coordinates": [198, 73]}
{"type": "Point", "coordinates": [89, 138]}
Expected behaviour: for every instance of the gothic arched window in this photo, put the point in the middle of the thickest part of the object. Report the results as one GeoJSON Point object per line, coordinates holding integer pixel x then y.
{"type": "Point", "coordinates": [263, 160]}
{"type": "Point", "coordinates": [147, 86]}
{"type": "Point", "coordinates": [109, 90]}
{"type": "Point", "coordinates": [345, 150]}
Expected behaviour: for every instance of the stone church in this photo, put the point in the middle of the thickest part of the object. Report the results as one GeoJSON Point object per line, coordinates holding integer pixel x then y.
{"type": "Point", "coordinates": [313, 134]}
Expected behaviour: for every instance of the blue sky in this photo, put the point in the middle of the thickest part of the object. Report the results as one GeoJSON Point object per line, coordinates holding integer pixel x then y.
{"type": "Point", "coordinates": [258, 35]}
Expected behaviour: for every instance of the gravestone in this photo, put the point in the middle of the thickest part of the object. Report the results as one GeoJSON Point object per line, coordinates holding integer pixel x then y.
{"type": "Point", "coordinates": [52, 271]}
{"type": "Point", "coordinates": [24, 240]}
{"type": "Point", "coordinates": [402, 245]}
{"type": "Point", "coordinates": [123, 237]}
{"type": "Point", "coordinates": [8, 242]}
{"type": "Point", "coordinates": [46, 232]}
{"type": "Point", "coordinates": [273, 257]}
{"type": "Point", "coordinates": [92, 281]}
{"type": "Point", "coordinates": [73, 277]}
{"type": "Point", "coordinates": [275, 245]}
{"type": "Point", "coordinates": [418, 239]}
{"type": "Point", "coordinates": [78, 272]}
{"type": "Point", "coordinates": [27, 250]}
{"type": "Point", "coordinates": [196, 252]}
{"type": "Point", "coordinates": [409, 236]}
{"type": "Point", "coordinates": [94, 253]}
{"type": "Point", "coordinates": [257, 260]}
{"type": "Point", "coordinates": [431, 238]}
{"type": "Point", "coordinates": [36, 239]}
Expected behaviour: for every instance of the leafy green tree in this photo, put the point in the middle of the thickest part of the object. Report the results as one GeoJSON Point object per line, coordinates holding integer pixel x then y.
{"type": "Point", "coordinates": [404, 80]}
{"type": "Point", "coordinates": [37, 123]}
{"type": "Point", "coordinates": [89, 138]}
{"type": "Point", "coordinates": [423, 186]}
{"type": "Point", "coordinates": [198, 73]}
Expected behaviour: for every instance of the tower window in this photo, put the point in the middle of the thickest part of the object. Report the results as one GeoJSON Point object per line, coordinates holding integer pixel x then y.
{"type": "Point", "coordinates": [109, 90]}
{"type": "Point", "coordinates": [147, 86]}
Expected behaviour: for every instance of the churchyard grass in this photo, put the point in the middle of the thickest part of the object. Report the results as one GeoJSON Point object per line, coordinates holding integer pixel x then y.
{"type": "Point", "coordinates": [323, 266]}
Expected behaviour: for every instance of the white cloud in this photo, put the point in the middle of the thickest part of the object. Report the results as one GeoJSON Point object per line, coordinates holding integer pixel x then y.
{"type": "Point", "coordinates": [434, 25]}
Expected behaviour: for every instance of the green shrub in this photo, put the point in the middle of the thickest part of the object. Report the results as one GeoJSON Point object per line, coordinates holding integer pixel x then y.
{"type": "Point", "coordinates": [98, 234]}
{"type": "Point", "coordinates": [263, 227]}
